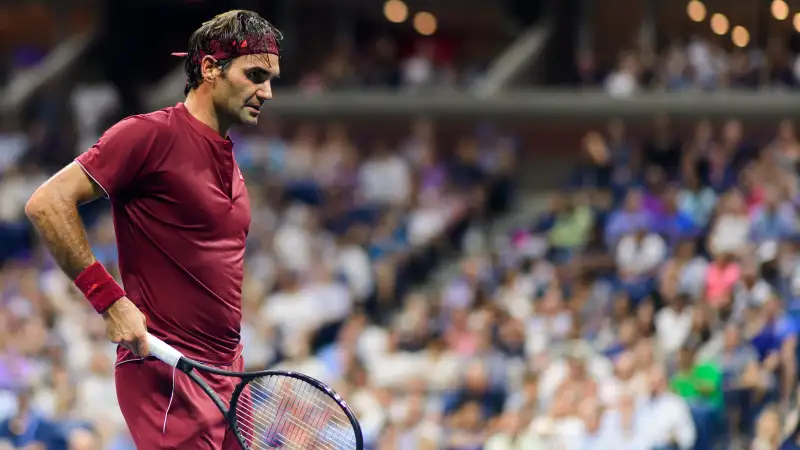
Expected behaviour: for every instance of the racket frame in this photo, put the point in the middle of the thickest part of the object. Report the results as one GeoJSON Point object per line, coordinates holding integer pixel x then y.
{"type": "Point", "coordinates": [190, 368]}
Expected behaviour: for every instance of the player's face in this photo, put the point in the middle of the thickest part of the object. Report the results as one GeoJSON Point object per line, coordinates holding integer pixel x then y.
{"type": "Point", "coordinates": [242, 92]}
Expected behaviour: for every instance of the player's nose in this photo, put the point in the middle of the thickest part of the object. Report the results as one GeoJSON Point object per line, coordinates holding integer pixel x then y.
{"type": "Point", "coordinates": [264, 92]}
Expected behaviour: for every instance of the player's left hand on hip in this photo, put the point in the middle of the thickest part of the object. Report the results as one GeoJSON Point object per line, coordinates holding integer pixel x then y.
{"type": "Point", "coordinates": [127, 326]}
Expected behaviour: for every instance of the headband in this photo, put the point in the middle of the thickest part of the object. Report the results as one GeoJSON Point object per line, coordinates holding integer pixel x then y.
{"type": "Point", "coordinates": [251, 45]}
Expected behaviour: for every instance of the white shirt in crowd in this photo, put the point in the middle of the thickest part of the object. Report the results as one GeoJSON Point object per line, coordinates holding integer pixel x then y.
{"type": "Point", "coordinates": [337, 301]}
{"type": "Point", "coordinates": [638, 258]}
{"type": "Point", "coordinates": [621, 84]}
{"type": "Point", "coordinates": [515, 298]}
{"type": "Point", "coordinates": [692, 278]}
{"type": "Point", "coordinates": [614, 388]}
{"type": "Point", "coordinates": [730, 234]}
{"type": "Point", "coordinates": [707, 63]}
{"type": "Point", "coordinates": [293, 247]}
{"type": "Point", "coordinates": [672, 328]}
{"type": "Point", "coordinates": [598, 366]}
{"type": "Point", "coordinates": [97, 400]}
{"type": "Point", "coordinates": [294, 313]}
{"type": "Point", "coordinates": [667, 418]}
{"type": "Point", "coordinates": [417, 70]}
{"type": "Point", "coordinates": [657, 422]}
{"type": "Point", "coordinates": [385, 180]}
{"type": "Point", "coordinates": [755, 295]}
{"type": "Point", "coordinates": [258, 349]}
{"type": "Point", "coordinates": [614, 435]}
{"type": "Point", "coordinates": [353, 261]}
{"type": "Point", "coordinates": [12, 147]}
{"type": "Point", "coordinates": [15, 190]}
{"type": "Point", "coordinates": [424, 224]}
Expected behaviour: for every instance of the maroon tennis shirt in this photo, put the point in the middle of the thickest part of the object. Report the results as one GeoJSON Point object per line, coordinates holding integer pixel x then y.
{"type": "Point", "coordinates": [181, 215]}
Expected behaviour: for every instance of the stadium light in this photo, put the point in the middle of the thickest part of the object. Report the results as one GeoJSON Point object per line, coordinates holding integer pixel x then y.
{"type": "Point", "coordinates": [796, 22]}
{"type": "Point", "coordinates": [740, 36]}
{"type": "Point", "coordinates": [696, 10]}
{"type": "Point", "coordinates": [719, 24]}
{"type": "Point", "coordinates": [425, 23]}
{"type": "Point", "coordinates": [780, 9]}
{"type": "Point", "coordinates": [395, 11]}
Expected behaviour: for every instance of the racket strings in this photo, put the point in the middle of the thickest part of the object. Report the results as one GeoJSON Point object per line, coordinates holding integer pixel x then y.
{"type": "Point", "coordinates": [300, 427]}
{"type": "Point", "coordinates": [259, 419]}
{"type": "Point", "coordinates": [288, 413]}
{"type": "Point", "coordinates": [273, 405]}
{"type": "Point", "coordinates": [301, 415]}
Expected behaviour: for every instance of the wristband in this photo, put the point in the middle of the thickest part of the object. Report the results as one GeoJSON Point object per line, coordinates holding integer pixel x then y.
{"type": "Point", "coordinates": [99, 287]}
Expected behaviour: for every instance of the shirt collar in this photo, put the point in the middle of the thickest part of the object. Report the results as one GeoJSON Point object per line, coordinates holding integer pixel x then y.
{"type": "Point", "coordinates": [202, 128]}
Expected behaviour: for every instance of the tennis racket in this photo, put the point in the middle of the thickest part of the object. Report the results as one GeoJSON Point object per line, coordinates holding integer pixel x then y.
{"type": "Point", "coordinates": [275, 408]}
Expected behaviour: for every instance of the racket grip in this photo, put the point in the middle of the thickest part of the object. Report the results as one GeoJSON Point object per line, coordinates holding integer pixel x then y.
{"type": "Point", "coordinates": [163, 351]}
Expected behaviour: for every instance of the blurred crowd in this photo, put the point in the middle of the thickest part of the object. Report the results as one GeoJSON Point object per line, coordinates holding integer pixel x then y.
{"type": "Point", "coordinates": [693, 64]}
{"type": "Point", "coordinates": [652, 306]}
{"type": "Point", "coordinates": [409, 64]}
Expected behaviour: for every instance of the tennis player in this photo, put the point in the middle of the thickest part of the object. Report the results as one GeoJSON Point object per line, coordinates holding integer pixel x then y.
{"type": "Point", "coordinates": [181, 214]}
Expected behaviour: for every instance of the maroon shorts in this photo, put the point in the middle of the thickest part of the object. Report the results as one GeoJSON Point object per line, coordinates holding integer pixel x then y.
{"type": "Point", "coordinates": [164, 409]}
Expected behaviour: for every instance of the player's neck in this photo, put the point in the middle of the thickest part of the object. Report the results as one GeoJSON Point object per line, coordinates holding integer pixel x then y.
{"type": "Point", "coordinates": [201, 107]}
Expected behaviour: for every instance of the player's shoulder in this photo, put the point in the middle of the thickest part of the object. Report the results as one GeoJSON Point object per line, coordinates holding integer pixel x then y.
{"type": "Point", "coordinates": [149, 124]}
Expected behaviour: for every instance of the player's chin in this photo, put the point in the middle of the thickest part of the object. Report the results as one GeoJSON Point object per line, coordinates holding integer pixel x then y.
{"type": "Point", "coordinates": [249, 119]}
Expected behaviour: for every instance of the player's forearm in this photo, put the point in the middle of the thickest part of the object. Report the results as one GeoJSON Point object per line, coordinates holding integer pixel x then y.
{"type": "Point", "coordinates": [58, 222]}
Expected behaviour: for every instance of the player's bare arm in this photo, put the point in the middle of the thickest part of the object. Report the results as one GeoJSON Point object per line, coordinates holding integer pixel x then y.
{"type": "Point", "coordinates": [53, 210]}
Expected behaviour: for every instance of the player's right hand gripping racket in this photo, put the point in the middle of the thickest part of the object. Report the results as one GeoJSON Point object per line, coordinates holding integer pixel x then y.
{"type": "Point", "coordinates": [275, 409]}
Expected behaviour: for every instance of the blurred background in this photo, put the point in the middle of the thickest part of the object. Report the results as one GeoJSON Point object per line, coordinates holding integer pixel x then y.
{"type": "Point", "coordinates": [495, 225]}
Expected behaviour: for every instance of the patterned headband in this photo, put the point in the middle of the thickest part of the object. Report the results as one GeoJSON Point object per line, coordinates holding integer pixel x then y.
{"type": "Point", "coordinates": [251, 45]}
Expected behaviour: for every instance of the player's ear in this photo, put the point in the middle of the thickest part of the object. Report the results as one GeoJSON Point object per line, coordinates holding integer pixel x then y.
{"type": "Point", "coordinates": [209, 69]}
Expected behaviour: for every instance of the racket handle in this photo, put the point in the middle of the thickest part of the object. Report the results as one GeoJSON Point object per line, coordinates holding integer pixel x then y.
{"type": "Point", "coordinates": [163, 351]}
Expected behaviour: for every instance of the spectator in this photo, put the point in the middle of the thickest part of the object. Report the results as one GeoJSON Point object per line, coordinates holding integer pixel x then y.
{"type": "Point", "coordinates": [591, 435]}
{"type": "Point", "coordinates": [630, 217]}
{"type": "Point", "coordinates": [572, 223]}
{"type": "Point", "coordinates": [700, 383]}
{"type": "Point", "coordinates": [662, 149]}
{"type": "Point", "coordinates": [774, 338]}
{"type": "Point", "coordinates": [638, 257]}
{"type": "Point", "coordinates": [697, 201]}
{"type": "Point", "coordinates": [674, 72]}
{"type": "Point", "coordinates": [419, 69]}
{"type": "Point", "coordinates": [669, 421]}
{"type": "Point", "coordinates": [476, 392]}
{"type": "Point", "coordinates": [673, 223]}
{"type": "Point", "coordinates": [596, 168]}
{"type": "Point", "coordinates": [768, 431]}
{"type": "Point", "coordinates": [624, 80]}
{"type": "Point", "coordinates": [385, 179]}
{"type": "Point", "coordinates": [773, 220]}
{"type": "Point", "coordinates": [750, 290]}
{"type": "Point", "coordinates": [731, 228]}
{"type": "Point", "coordinates": [746, 382]}
{"type": "Point", "coordinates": [674, 324]}
{"type": "Point", "coordinates": [624, 154]}
{"type": "Point", "coordinates": [683, 273]}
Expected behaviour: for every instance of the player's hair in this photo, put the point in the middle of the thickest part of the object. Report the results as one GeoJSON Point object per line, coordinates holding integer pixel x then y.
{"type": "Point", "coordinates": [233, 25]}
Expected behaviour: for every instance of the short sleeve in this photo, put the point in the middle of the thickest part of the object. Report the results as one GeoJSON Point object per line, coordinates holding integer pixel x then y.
{"type": "Point", "coordinates": [120, 157]}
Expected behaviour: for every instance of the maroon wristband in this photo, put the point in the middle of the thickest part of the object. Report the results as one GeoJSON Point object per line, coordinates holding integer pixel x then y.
{"type": "Point", "coordinates": [99, 287]}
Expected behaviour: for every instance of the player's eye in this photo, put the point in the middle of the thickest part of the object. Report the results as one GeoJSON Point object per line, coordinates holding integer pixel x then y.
{"type": "Point", "coordinates": [258, 76]}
